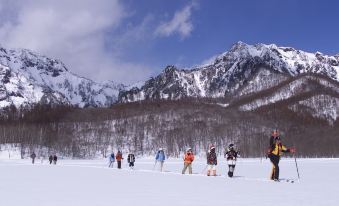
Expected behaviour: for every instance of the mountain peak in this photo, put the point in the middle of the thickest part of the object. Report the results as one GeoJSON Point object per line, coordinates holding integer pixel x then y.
{"type": "Point", "coordinates": [233, 69]}
{"type": "Point", "coordinates": [27, 77]}
{"type": "Point", "coordinates": [170, 69]}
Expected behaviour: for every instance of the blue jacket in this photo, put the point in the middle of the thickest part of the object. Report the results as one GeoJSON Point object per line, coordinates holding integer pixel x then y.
{"type": "Point", "coordinates": [160, 156]}
{"type": "Point", "coordinates": [112, 158]}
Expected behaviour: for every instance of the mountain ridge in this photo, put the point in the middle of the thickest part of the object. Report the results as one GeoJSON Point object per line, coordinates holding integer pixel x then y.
{"type": "Point", "coordinates": [230, 70]}
{"type": "Point", "coordinates": [27, 77]}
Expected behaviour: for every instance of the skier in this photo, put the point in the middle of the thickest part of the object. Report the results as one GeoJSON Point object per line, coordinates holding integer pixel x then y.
{"type": "Point", "coordinates": [119, 158]}
{"type": "Point", "coordinates": [50, 159]}
{"type": "Point", "coordinates": [275, 151]}
{"type": "Point", "coordinates": [211, 161]}
{"type": "Point", "coordinates": [111, 160]}
{"type": "Point", "coordinates": [188, 159]}
{"type": "Point", "coordinates": [131, 160]}
{"type": "Point", "coordinates": [160, 157]}
{"type": "Point", "coordinates": [231, 156]}
{"type": "Point", "coordinates": [33, 156]}
{"type": "Point", "coordinates": [55, 159]}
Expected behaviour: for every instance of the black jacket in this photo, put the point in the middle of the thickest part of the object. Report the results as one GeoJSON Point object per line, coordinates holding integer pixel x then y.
{"type": "Point", "coordinates": [130, 158]}
{"type": "Point", "coordinates": [231, 154]}
{"type": "Point", "coordinates": [212, 158]}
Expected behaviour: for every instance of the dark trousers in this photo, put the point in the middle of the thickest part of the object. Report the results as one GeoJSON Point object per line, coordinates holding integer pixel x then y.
{"type": "Point", "coordinates": [131, 164]}
{"type": "Point", "coordinates": [119, 164]}
{"type": "Point", "coordinates": [275, 170]}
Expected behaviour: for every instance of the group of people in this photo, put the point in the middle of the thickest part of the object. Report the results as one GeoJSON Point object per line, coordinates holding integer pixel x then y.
{"type": "Point", "coordinates": [52, 158]}
{"type": "Point", "coordinates": [276, 149]}
{"type": "Point", "coordinates": [274, 153]}
{"type": "Point", "coordinates": [118, 157]}
{"type": "Point", "coordinates": [231, 155]}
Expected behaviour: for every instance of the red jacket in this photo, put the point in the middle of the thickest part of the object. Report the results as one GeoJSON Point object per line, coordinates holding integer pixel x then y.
{"type": "Point", "coordinates": [189, 157]}
{"type": "Point", "coordinates": [118, 156]}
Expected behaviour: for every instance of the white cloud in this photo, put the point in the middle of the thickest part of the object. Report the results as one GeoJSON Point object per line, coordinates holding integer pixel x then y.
{"type": "Point", "coordinates": [77, 32]}
{"type": "Point", "coordinates": [136, 33]}
{"type": "Point", "coordinates": [181, 23]}
{"type": "Point", "coordinates": [209, 60]}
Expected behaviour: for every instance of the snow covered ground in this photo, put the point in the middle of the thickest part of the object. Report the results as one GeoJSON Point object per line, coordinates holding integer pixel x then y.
{"type": "Point", "coordinates": [91, 183]}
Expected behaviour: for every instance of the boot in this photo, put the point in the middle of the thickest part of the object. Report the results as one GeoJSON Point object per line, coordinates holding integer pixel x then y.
{"type": "Point", "coordinates": [214, 173]}
{"type": "Point", "coordinates": [208, 172]}
{"type": "Point", "coordinates": [272, 173]}
{"type": "Point", "coordinates": [230, 174]}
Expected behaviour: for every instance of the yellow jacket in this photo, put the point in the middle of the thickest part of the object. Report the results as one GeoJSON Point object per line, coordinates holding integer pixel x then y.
{"type": "Point", "coordinates": [278, 149]}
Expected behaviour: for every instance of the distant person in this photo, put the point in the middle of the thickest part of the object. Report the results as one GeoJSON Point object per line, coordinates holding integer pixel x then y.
{"type": "Point", "coordinates": [188, 159]}
{"type": "Point", "coordinates": [50, 158]}
{"type": "Point", "coordinates": [33, 156]}
{"type": "Point", "coordinates": [231, 156]}
{"type": "Point", "coordinates": [212, 162]}
{"type": "Point", "coordinates": [111, 160]}
{"type": "Point", "coordinates": [119, 158]}
{"type": "Point", "coordinates": [160, 158]}
{"type": "Point", "coordinates": [55, 159]}
{"type": "Point", "coordinates": [275, 151]}
{"type": "Point", "coordinates": [131, 160]}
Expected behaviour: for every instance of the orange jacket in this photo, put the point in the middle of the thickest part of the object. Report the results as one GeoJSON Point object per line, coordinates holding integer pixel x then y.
{"type": "Point", "coordinates": [119, 157]}
{"type": "Point", "coordinates": [189, 157]}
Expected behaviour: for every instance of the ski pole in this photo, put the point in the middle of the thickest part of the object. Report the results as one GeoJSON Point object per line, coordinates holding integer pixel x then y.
{"type": "Point", "coordinates": [204, 169]}
{"type": "Point", "coordinates": [296, 165]}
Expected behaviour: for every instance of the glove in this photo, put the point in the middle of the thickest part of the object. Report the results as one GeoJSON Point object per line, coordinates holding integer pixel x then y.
{"type": "Point", "coordinates": [292, 150]}
{"type": "Point", "coordinates": [268, 151]}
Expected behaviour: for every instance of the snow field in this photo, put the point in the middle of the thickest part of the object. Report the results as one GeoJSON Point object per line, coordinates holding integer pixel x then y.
{"type": "Point", "coordinates": [91, 182]}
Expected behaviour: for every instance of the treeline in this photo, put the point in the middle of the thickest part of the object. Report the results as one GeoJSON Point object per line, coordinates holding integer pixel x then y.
{"type": "Point", "coordinates": [142, 127]}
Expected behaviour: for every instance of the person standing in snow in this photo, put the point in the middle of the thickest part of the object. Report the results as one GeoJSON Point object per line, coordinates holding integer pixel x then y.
{"type": "Point", "coordinates": [55, 159]}
{"type": "Point", "coordinates": [211, 162]}
{"type": "Point", "coordinates": [50, 159]}
{"type": "Point", "coordinates": [188, 159]}
{"type": "Point", "coordinates": [111, 160]}
{"type": "Point", "coordinates": [131, 160]}
{"type": "Point", "coordinates": [274, 153]}
{"type": "Point", "coordinates": [231, 156]}
{"type": "Point", "coordinates": [119, 158]}
{"type": "Point", "coordinates": [33, 156]}
{"type": "Point", "coordinates": [160, 157]}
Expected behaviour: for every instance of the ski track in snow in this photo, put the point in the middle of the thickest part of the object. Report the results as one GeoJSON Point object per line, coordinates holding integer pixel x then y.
{"type": "Point", "coordinates": [91, 182]}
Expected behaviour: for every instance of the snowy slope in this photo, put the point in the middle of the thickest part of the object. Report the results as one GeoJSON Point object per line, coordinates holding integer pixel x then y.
{"type": "Point", "coordinates": [320, 106]}
{"type": "Point", "coordinates": [307, 93]}
{"type": "Point", "coordinates": [234, 69]}
{"type": "Point", "coordinates": [28, 78]}
{"type": "Point", "coordinates": [90, 182]}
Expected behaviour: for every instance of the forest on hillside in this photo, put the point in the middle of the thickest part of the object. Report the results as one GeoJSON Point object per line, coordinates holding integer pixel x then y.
{"type": "Point", "coordinates": [144, 126]}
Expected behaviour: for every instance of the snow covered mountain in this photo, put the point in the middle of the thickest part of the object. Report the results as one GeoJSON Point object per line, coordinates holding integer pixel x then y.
{"type": "Point", "coordinates": [246, 70]}
{"type": "Point", "coordinates": [234, 70]}
{"type": "Point", "coordinates": [28, 78]}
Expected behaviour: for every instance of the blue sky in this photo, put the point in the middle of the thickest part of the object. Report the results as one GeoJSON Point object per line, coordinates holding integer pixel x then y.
{"type": "Point", "coordinates": [131, 40]}
{"type": "Point", "coordinates": [307, 25]}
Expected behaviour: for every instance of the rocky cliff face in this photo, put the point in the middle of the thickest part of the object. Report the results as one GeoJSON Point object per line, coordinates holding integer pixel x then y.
{"type": "Point", "coordinates": [233, 70]}
{"type": "Point", "coordinates": [28, 78]}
